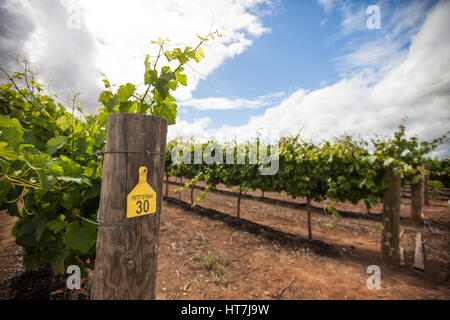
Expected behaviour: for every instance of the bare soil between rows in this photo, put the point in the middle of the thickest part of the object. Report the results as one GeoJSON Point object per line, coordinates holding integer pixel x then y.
{"type": "Point", "coordinates": [206, 253]}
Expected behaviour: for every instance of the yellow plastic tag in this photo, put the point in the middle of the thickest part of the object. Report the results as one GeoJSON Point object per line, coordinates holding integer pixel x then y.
{"type": "Point", "coordinates": [141, 200]}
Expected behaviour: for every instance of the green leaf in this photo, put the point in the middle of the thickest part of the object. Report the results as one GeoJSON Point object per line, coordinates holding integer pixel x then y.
{"type": "Point", "coordinates": [435, 183]}
{"type": "Point", "coordinates": [128, 107]}
{"type": "Point", "coordinates": [39, 220]}
{"type": "Point", "coordinates": [55, 225]}
{"type": "Point", "coordinates": [112, 103]}
{"type": "Point", "coordinates": [70, 199]}
{"type": "Point", "coordinates": [198, 55]}
{"type": "Point", "coordinates": [151, 77]}
{"type": "Point", "coordinates": [54, 168]}
{"type": "Point", "coordinates": [181, 78]}
{"type": "Point", "coordinates": [6, 122]}
{"type": "Point", "coordinates": [31, 262]}
{"type": "Point", "coordinates": [125, 92]}
{"type": "Point", "coordinates": [56, 258]}
{"type": "Point", "coordinates": [47, 181]}
{"type": "Point", "coordinates": [71, 168]}
{"type": "Point", "coordinates": [200, 52]}
{"type": "Point", "coordinates": [416, 179]}
{"type": "Point", "coordinates": [106, 83]}
{"type": "Point", "coordinates": [29, 138]}
{"type": "Point", "coordinates": [166, 110]}
{"type": "Point", "coordinates": [26, 232]}
{"type": "Point", "coordinates": [55, 143]}
{"type": "Point", "coordinates": [7, 153]}
{"type": "Point", "coordinates": [99, 139]}
{"type": "Point", "coordinates": [63, 123]}
{"type": "Point", "coordinates": [5, 185]}
{"type": "Point", "coordinates": [147, 63]}
{"type": "Point", "coordinates": [80, 238]}
{"type": "Point", "coordinates": [13, 136]}
{"type": "Point", "coordinates": [167, 76]}
{"type": "Point", "coordinates": [104, 97]}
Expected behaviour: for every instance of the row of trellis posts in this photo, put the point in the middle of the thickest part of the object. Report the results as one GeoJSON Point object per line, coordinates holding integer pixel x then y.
{"type": "Point", "coordinates": [126, 254]}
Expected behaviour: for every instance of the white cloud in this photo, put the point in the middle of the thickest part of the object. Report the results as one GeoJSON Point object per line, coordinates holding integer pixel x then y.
{"type": "Point", "coordinates": [115, 37]}
{"type": "Point", "coordinates": [230, 104]}
{"type": "Point", "coordinates": [63, 57]}
{"type": "Point", "coordinates": [197, 129]}
{"type": "Point", "coordinates": [354, 17]}
{"type": "Point", "coordinates": [326, 4]}
{"type": "Point", "coordinates": [416, 86]}
{"type": "Point", "coordinates": [127, 30]}
{"type": "Point", "coordinates": [376, 48]}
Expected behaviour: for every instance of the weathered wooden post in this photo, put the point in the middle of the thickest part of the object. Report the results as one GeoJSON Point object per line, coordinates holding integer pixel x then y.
{"type": "Point", "coordinates": [127, 248]}
{"type": "Point", "coordinates": [390, 239]}
{"type": "Point", "coordinates": [181, 189]}
{"type": "Point", "coordinates": [416, 200]}
{"type": "Point", "coordinates": [167, 185]}
{"type": "Point", "coordinates": [308, 211]}
{"type": "Point", "coordinates": [239, 203]}
{"type": "Point", "coordinates": [426, 197]}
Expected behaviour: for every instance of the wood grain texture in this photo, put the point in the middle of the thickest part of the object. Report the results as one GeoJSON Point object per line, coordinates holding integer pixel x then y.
{"type": "Point", "coordinates": [126, 256]}
{"type": "Point", "coordinates": [426, 196]}
{"type": "Point", "coordinates": [416, 201]}
{"type": "Point", "coordinates": [419, 256]}
{"type": "Point", "coordinates": [390, 240]}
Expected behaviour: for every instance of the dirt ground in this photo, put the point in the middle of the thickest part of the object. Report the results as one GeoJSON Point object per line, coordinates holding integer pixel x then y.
{"type": "Point", "coordinates": [205, 253]}
{"type": "Point", "coordinates": [256, 268]}
{"type": "Point", "coordinates": [10, 261]}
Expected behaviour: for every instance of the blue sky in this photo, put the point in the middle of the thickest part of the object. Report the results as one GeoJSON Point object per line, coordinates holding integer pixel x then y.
{"type": "Point", "coordinates": [296, 54]}
{"type": "Point", "coordinates": [282, 66]}
{"type": "Point", "coordinates": [302, 50]}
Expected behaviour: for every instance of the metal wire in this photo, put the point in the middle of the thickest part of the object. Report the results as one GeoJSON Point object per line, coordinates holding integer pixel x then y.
{"type": "Point", "coordinates": [115, 225]}
{"type": "Point", "coordinates": [147, 153]}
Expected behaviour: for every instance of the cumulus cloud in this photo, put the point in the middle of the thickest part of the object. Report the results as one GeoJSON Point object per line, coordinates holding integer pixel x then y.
{"type": "Point", "coordinates": [196, 130]}
{"type": "Point", "coordinates": [123, 45]}
{"type": "Point", "coordinates": [326, 4]}
{"type": "Point", "coordinates": [416, 86]}
{"type": "Point", "coordinates": [230, 104]}
{"type": "Point", "coordinates": [37, 31]}
{"type": "Point", "coordinates": [114, 38]}
{"type": "Point", "coordinates": [15, 31]}
{"type": "Point", "coordinates": [377, 48]}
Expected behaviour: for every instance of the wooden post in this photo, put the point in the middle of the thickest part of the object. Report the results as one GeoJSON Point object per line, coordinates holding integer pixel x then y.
{"type": "Point", "coordinates": [192, 195]}
{"type": "Point", "coordinates": [239, 204]}
{"type": "Point", "coordinates": [167, 185]}
{"type": "Point", "coordinates": [403, 188]}
{"type": "Point", "coordinates": [402, 256]}
{"type": "Point", "coordinates": [126, 256]}
{"type": "Point", "coordinates": [426, 197]}
{"type": "Point", "coordinates": [390, 239]}
{"type": "Point", "coordinates": [416, 200]}
{"type": "Point", "coordinates": [181, 190]}
{"type": "Point", "coordinates": [308, 212]}
{"type": "Point", "coordinates": [419, 256]}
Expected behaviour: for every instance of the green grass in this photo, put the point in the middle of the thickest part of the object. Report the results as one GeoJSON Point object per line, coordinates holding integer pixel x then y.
{"type": "Point", "coordinates": [214, 264]}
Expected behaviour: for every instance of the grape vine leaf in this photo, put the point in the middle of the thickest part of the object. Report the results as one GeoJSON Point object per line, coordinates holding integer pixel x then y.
{"type": "Point", "coordinates": [80, 238]}
{"type": "Point", "coordinates": [55, 143]}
